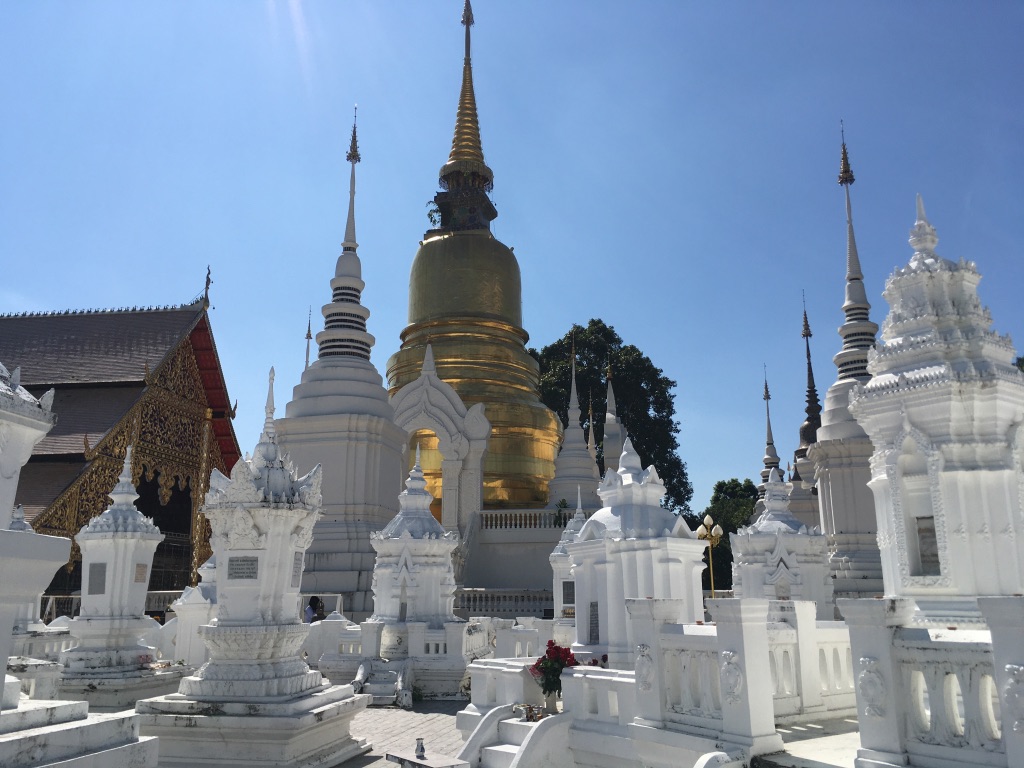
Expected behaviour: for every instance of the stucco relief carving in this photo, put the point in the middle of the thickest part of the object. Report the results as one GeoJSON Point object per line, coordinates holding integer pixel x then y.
{"type": "Point", "coordinates": [1013, 697]}
{"type": "Point", "coordinates": [644, 667]}
{"type": "Point", "coordinates": [732, 677]}
{"type": "Point", "coordinates": [871, 686]}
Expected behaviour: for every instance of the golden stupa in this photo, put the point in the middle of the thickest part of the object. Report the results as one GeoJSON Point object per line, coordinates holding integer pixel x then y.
{"type": "Point", "coordinates": [465, 300]}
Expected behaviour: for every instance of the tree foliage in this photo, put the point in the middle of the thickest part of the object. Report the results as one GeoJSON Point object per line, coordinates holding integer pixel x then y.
{"type": "Point", "coordinates": [643, 397]}
{"type": "Point", "coordinates": [732, 504]}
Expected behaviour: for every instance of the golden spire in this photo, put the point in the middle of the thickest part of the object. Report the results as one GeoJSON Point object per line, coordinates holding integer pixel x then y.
{"type": "Point", "coordinates": [467, 155]}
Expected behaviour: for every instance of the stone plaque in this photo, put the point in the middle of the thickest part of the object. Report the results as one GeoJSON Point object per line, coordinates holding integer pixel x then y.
{"type": "Point", "coordinates": [568, 593]}
{"type": "Point", "coordinates": [246, 567]}
{"type": "Point", "coordinates": [297, 570]}
{"type": "Point", "coordinates": [141, 573]}
{"type": "Point", "coordinates": [97, 578]}
{"type": "Point", "coordinates": [595, 625]}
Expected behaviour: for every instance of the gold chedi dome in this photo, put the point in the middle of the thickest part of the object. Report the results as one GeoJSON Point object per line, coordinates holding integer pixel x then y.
{"type": "Point", "coordinates": [465, 300]}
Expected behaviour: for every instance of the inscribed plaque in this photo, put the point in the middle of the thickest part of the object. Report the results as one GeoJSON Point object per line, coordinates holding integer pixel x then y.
{"type": "Point", "coordinates": [297, 570]}
{"type": "Point", "coordinates": [97, 578]}
{"type": "Point", "coordinates": [246, 567]}
{"type": "Point", "coordinates": [141, 573]}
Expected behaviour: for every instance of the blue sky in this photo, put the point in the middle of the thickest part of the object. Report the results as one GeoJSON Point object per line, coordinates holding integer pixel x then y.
{"type": "Point", "coordinates": [668, 167]}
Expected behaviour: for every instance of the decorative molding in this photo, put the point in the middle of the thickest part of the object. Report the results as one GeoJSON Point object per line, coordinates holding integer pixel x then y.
{"type": "Point", "coordinates": [731, 676]}
{"type": "Point", "coordinates": [644, 667]}
{"type": "Point", "coordinates": [871, 686]}
{"type": "Point", "coordinates": [1013, 697]}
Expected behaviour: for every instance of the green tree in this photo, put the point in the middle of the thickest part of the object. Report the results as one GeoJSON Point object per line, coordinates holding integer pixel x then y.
{"type": "Point", "coordinates": [643, 398]}
{"type": "Point", "coordinates": [732, 504]}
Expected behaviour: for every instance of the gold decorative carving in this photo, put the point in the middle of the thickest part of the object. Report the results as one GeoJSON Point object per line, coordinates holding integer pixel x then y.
{"type": "Point", "coordinates": [172, 430]}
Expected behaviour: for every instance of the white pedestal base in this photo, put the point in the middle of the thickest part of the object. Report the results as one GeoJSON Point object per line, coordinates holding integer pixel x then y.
{"type": "Point", "coordinates": [114, 692]}
{"type": "Point", "coordinates": [311, 730]}
{"type": "Point", "coordinates": [43, 733]}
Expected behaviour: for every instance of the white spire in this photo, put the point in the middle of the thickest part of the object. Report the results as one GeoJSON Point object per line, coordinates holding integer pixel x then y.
{"type": "Point", "coordinates": [121, 517]}
{"type": "Point", "coordinates": [574, 465]}
{"type": "Point", "coordinates": [923, 240]}
{"type": "Point", "coordinates": [268, 421]}
{"type": "Point", "coordinates": [344, 335]}
{"type": "Point", "coordinates": [353, 157]}
{"type": "Point", "coordinates": [771, 456]}
{"type": "Point", "coordinates": [309, 334]}
{"type": "Point", "coordinates": [857, 332]}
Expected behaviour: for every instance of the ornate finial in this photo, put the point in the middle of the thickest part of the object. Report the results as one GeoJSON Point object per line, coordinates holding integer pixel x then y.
{"type": "Point", "coordinates": [309, 334]}
{"type": "Point", "coordinates": [767, 394]}
{"type": "Point", "coordinates": [417, 464]}
{"type": "Point", "coordinates": [18, 520]}
{"type": "Point", "coordinates": [268, 424]}
{"type": "Point", "coordinates": [206, 287]}
{"type": "Point", "coordinates": [809, 429]}
{"type": "Point", "coordinates": [806, 333]}
{"type": "Point", "coordinates": [428, 361]}
{"type": "Point", "coordinates": [845, 174]}
{"type": "Point", "coordinates": [353, 148]}
{"type": "Point", "coordinates": [466, 160]}
{"type": "Point", "coordinates": [923, 237]}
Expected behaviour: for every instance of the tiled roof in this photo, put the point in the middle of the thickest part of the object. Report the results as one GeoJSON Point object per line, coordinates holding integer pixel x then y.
{"type": "Point", "coordinates": [92, 347]}
{"type": "Point", "coordinates": [41, 482]}
{"type": "Point", "coordinates": [82, 411]}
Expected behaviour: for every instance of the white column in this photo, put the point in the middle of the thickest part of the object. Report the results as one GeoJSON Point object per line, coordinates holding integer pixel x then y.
{"type": "Point", "coordinates": [1005, 617]}
{"type": "Point", "coordinates": [881, 704]}
{"type": "Point", "coordinates": [748, 711]}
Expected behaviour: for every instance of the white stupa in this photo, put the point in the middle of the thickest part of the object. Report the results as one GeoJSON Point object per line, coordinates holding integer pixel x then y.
{"type": "Point", "coordinates": [575, 468]}
{"type": "Point", "coordinates": [631, 547]}
{"type": "Point", "coordinates": [340, 417]}
{"type": "Point", "coordinates": [842, 453]}
{"type": "Point", "coordinates": [944, 409]}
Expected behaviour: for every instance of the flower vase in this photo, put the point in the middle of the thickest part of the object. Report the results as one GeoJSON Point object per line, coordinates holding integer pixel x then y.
{"type": "Point", "coordinates": [551, 703]}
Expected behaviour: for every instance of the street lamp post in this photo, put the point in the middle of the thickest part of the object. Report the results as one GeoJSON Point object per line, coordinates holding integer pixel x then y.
{"type": "Point", "coordinates": [712, 533]}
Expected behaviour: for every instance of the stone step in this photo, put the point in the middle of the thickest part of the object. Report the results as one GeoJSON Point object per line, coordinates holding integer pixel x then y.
{"type": "Point", "coordinates": [66, 741]}
{"type": "Point", "coordinates": [514, 731]}
{"type": "Point", "coordinates": [383, 701]}
{"type": "Point", "coordinates": [35, 713]}
{"type": "Point", "coordinates": [379, 689]}
{"type": "Point", "coordinates": [498, 755]}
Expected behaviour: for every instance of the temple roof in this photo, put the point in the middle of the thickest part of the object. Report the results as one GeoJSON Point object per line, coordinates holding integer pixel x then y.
{"type": "Point", "coordinates": [91, 347]}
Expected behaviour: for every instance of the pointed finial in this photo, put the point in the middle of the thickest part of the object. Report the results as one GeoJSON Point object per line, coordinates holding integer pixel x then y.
{"type": "Point", "coordinates": [579, 499]}
{"type": "Point", "coordinates": [845, 174]}
{"type": "Point", "coordinates": [268, 424]}
{"type": "Point", "coordinates": [428, 361]}
{"type": "Point", "coordinates": [124, 493]}
{"type": "Point", "coordinates": [352, 155]}
{"type": "Point", "coordinates": [206, 287]}
{"type": "Point", "coordinates": [467, 155]}
{"type": "Point", "coordinates": [573, 401]}
{"type": "Point", "coordinates": [809, 429]}
{"type": "Point", "coordinates": [18, 520]}
{"type": "Point", "coordinates": [767, 394]}
{"type": "Point", "coordinates": [16, 379]}
{"type": "Point", "coordinates": [417, 464]}
{"type": "Point", "coordinates": [806, 332]}
{"type": "Point", "coordinates": [923, 237]}
{"type": "Point", "coordinates": [309, 334]}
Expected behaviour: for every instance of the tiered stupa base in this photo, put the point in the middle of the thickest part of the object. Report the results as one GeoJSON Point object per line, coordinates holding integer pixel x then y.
{"type": "Point", "coordinates": [63, 733]}
{"type": "Point", "coordinates": [311, 730]}
{"type": "Point", "coordinates": [112, 679]}
{"type": "Point", "coordinates": [256, 703]}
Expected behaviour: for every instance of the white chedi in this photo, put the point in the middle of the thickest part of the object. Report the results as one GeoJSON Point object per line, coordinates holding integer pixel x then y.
{"type": "Point", "coordinates": [413, 579]}
{"type": "Point", "coordinates": [256, 701]}
{"type": "Point", "coordinates": [24, 421]}
{"type": "Point", "coordinates": [111, 666]}
{"type": "Point", "coordinates": [778, 557]}
{"type": "Point", "coordinates": [943, 410]}
{"type": "Point", "coordinates": [575, 468]}
{"type": "Point", "coordinates": [631, 547]}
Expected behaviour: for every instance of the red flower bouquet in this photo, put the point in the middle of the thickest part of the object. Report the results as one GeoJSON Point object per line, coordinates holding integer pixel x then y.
{"type": "Point", "coordinates": [547, 670]}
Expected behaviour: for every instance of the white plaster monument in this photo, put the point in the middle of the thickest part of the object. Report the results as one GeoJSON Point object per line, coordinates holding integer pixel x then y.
{"type": "Point", "coordinates": [842, 453]}
{"type": "Point", "coordinates": [256, 702]}
{"type": "Point", "coordinates": [631, 547]}
{"type": "Point", "coordinates": [777, 557]}
{"type": "Point", "coordinates": [37, 732]}
{"type": "Point", "coordinates": [944, 410]}
{"type": "Point", "coordinates": [111, 667]}
{"type": "Point", "coordinates": [576, 471]}
{"type": "Point", "coordinates": [339, 417]}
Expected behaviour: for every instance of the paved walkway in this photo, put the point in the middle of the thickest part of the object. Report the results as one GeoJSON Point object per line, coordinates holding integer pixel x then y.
{"type": "Point", "coordinates": [828, 744]}
{"type": "Point", "coordinates": [392, 729]}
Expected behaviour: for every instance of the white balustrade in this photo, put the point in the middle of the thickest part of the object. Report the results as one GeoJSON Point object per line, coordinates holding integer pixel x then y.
{"type": "Point", "coordinates": [518, 519]}
{"type": "Point", "coordinates": [503, 603]}
{"type": "Point", "coordinates": [951, 694]}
